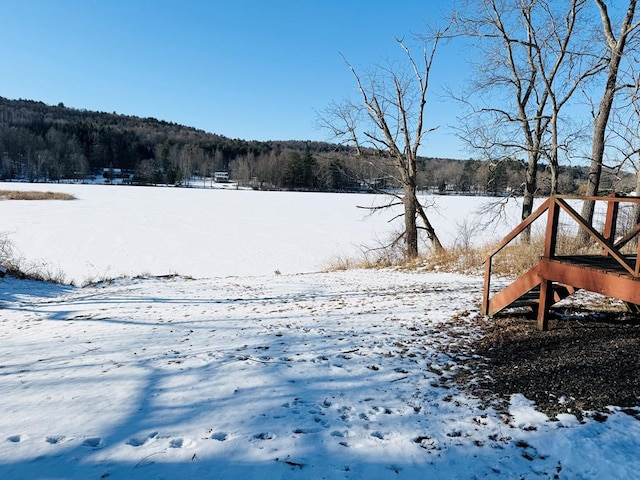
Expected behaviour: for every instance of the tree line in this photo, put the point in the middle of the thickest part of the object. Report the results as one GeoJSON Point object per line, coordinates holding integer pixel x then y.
{"type": "Point", "coordinates": [39, 142]}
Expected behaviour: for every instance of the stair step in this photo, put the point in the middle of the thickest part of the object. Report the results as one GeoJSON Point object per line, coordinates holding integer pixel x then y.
{"type": "Point", "coordinates": [523, 303]}
{"type": "Point", "coordinates": [532, 297]}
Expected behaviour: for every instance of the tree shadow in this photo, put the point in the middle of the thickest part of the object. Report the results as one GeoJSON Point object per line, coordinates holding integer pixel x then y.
{"type": "Point", "coordinates": [368, 394]}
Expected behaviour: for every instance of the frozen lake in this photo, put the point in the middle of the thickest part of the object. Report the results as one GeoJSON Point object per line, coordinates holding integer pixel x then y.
{"type": "Point", "coordinates": [111, 231]}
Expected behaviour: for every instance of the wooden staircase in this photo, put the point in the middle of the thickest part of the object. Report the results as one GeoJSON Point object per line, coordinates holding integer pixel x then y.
{"type": "Point", "coordinates": [525, 293]}
{"type": "Point", "coordinates": [556, 277]}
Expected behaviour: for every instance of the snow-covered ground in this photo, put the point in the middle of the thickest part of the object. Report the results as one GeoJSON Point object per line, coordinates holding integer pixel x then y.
{"type": "Point", "coordinates": [249, 374]}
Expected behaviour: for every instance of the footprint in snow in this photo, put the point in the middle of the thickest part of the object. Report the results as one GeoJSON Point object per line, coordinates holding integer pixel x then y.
{"type": "Point", "coordinates": [220, 436]}
{"type": "Point", "coordinates": [176, 443]}
{"type": "Point", "coordinates": [14, 438]}
{"type": "Point", "coordinates": [264, 436]}
{"type": "Point", "coordinates": [426, 442]}
{"type": "Point", "coordinates": [139, 441]}
{"type": "Point", "coordinates": [92, 442]}
{"type": "Point", "coordinates": [55, 439]}
{"type": "Point", "coordinates": [308, 430]}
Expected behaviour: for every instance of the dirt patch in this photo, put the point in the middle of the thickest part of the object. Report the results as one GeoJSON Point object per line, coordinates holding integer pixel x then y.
{"type": "Point", "coordinates": [19, 195]}
{"type": "Point", "coordinates": [590, 359]}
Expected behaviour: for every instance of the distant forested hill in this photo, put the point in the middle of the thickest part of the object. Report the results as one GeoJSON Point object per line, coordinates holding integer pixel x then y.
{"type": "Point", "coordinates": [40, 142]}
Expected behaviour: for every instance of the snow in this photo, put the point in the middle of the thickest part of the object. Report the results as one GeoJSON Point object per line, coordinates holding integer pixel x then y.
{"type": "Point", "coordinates": [111, 231]}
{"type": "Point", "coordinates": [242, 373]}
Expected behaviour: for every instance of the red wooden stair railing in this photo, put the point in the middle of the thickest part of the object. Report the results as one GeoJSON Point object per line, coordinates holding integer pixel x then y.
{"type": "Point", "coordinates": [554, 277]}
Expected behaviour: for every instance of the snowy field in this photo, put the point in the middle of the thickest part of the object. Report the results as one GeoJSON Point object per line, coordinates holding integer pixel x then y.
{"type": "Point", "coordinates": [241, 373]}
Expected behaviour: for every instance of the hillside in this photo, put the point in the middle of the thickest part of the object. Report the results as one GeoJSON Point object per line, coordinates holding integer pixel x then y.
{"type": "Point", "coordinates": [40, 142]}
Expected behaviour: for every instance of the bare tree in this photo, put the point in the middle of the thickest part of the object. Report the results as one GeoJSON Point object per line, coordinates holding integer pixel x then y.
{"type": "Point", "coordinates": [387, 125]}
{"type": "Point", "coordinates": [624, 135]}
{"type": "Point", "coordinates": [563, 66]}
{"type": "Point", "coordinates": [615, 48]}
{"type": "Point", "coordinates": [529, 72]}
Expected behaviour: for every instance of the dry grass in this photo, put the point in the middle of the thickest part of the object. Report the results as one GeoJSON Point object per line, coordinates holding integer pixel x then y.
{"type": "Point", "coordinates": [511, 262]}
{"type": "Point", "coordinates": [18, 267]}
{"type": "Point", "coordinates": [368, 260]}
{"type": "Point", "coordinates": [382, 256]}
{"type": "Point", "coordinates": [454, 260]}
{"type": "Point", "coordinates": [518, 257]}
{"type": "Point", "coordinates": [38, 271]}
{"type": "Point", "coordinates": [19, 195]}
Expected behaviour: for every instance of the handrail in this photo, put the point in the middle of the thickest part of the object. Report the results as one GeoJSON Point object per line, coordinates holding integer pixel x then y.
{"type": "Point", "coordinates": [520, 228]}
{"type": "Point", "coordinates": [618, 198]}
{"type": "Point", "coordinates": [514, 233]}
{"type": "Point", "coordinates": [608, 245]}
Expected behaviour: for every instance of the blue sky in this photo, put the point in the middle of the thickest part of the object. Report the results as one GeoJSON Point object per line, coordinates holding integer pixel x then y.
{"type": "Point", "coordinates": [241, 68]}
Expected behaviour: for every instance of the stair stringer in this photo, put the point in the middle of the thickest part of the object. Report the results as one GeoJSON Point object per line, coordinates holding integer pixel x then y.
{"type": "Point", "coordinates": [515, 291]}
{"type": "Point", "coordinates": [524, 292]}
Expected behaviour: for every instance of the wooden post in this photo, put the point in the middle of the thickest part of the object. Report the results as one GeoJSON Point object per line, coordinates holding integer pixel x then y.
{"type": "Point", "coordinates": [546, 286]}
{"type": "Point", "coordinates": [546, 290]}
{"type": "Point", "coordinates": [551, 236]}
{"type": "Point", "coordinates": [487, 286]}
{"type": "Point", "coordinates": [611, 220]}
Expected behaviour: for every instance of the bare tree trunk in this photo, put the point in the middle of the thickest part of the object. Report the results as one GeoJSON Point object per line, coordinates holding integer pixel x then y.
{"type": "Point", "coordinates": [636, 206]}
{"type": "Point", "coordinates": [597, 152]}
{"type": "Point", "coordinates": [554, 177]}
{"type": "Point", "coordinates": [616, 51]}
{"type": "Point", "coordinates": [431, 233]}
{"type": "Point", "coordinates": [530, 187]}
{"type": "Point", "coordinates": [410, 225]}
{"type": "Point", "coordinates": [553, 154]}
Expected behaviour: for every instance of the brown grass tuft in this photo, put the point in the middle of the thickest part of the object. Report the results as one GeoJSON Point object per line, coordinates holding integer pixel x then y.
{"type": "Point", "coordinates": [512, 261]}
{"type": "Point", "coordinates": [19, 195]}
{"type": "Point", "coordinates": [16, 266]}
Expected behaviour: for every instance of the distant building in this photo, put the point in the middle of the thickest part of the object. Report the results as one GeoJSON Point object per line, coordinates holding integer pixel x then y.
{"type": "Point", "coordinates": [111, 172]}
{"type": "Point", "coordinates": [116, 175]}
{"type": "Point", "coordinates": [221, 177]}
